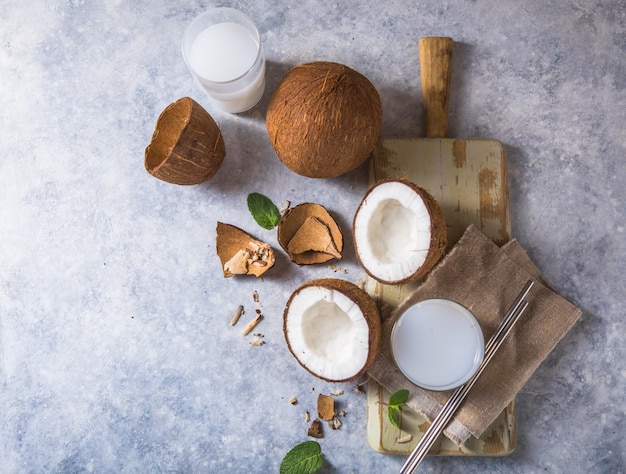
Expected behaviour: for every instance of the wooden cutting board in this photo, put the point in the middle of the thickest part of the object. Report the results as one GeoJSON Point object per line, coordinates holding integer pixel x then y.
{"type": "Point", "coordinates": [468, 178]}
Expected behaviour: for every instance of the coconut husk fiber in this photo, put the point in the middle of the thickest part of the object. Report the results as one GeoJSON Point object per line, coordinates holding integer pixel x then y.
{"type": "Point", "coordinates": [485, 279]}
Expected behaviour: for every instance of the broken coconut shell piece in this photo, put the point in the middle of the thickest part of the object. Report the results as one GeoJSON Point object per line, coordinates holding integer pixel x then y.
{"type": "Point", "coordinates": [187, 146]}
{"type": "Point", "coordinates": [315, 430]}
{"type": "Point", "coordinates": [399, 232]}
{"type": "Point", "coordinates": [325, 407]}
{"type": "Point", "coordinates": [240, 253]}
{"type": "Point", "coordinates": [310, 235]}
{"type": "Point", "coordinates": [333, 329]}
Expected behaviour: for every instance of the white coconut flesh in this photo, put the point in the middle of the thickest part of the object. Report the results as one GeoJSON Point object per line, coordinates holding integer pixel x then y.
{"type": "Point", "coordinates": [327, 333]}
{"type": "Point", "coordinates": [392, 229]}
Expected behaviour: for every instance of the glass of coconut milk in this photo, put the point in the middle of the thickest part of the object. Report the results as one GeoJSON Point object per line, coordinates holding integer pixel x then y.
{"type": "Point", "coordinates": [437, 344]}
{"type": "Point", "coordinates": [222, 49]}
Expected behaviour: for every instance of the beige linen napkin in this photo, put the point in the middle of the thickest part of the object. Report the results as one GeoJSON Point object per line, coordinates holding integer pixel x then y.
{"type": "Point", "coordinates": [485, 279]}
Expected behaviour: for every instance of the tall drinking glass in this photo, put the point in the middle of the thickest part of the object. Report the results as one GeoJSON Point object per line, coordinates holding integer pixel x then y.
{"type": "Point", "coordinates": [222, 49]}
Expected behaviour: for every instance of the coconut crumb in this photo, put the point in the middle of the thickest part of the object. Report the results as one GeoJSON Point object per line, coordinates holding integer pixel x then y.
{"type": "Point", "coordinates": [315, 430]}
{"type": "Point", "coordinates": [257, 342]}
{"type": "Point", "coordinates": [334, 423]}
{"type": "Point", "coordinates": [337, 269]}
{"type": "Point", "coordinates": [285, 207]}
{"type": "Point", "coordinates": [337, 392]}
{"type": "Point", "coordinates": [359, 389]}
{"type": "Point", "coordinates": [252, 324]}
{"type": "Point", "coordinates": [237, 315]}
{"type": "Point", "coordinates": [293, 400]}
{"type": "Point", "coordinates": [307, 416]}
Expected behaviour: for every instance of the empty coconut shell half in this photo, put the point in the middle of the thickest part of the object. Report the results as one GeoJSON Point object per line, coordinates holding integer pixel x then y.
{"type": "Point", "coordinates": [309, 234]}
{"type": "Point", "coordinates": [399, 232]}
{"type": "Point", "coordinates": [240, 253]}
{"type": "Point", "coordinates": [333, 329]}
{"type": "Point", "coordinates": [187, 146]}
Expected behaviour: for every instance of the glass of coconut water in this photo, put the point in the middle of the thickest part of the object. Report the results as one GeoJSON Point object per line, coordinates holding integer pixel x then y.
{"type": "Point", "coordinates": [222, 49]}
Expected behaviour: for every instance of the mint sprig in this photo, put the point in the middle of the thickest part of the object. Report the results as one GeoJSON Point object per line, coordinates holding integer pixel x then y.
{"type": "Point", "coordinates": [304, 458]}
{"type": "Point", "coordinates": [394, 407]}
{"type": "Point", "coordinates": [263, 210]}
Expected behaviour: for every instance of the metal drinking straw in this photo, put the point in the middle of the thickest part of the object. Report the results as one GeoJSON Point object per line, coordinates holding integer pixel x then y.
{"type": "Point", "coordinates": [511, 316]}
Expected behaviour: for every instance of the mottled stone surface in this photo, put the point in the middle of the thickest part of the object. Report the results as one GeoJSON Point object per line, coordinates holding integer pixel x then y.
{"type": "Point", "coordinates": [115, 349]}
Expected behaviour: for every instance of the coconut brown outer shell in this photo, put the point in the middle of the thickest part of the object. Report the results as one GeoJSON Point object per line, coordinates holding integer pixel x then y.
{"type": "Point", "coordinates": [293, 219]}
{"type": "Point", "coordinates": [187, 146]}
{"type": "Point", "coordinates": [231, 239]}
{"type": "Point", "coordinates": [438, 233]}
{"type": "Point", "coordinates": [324, 119]}
{"type": "Point", "coordinates": [368, 308]}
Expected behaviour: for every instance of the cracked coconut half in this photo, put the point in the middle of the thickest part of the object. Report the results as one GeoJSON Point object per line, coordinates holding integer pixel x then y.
{"type": "Point", "coordinates": [240, 253]}
{"type": "Point", "coordinates": [309, 234]}
{"type": "Point", "coordinates": [333, 329]}
{"type": "Point", "coordinates": [399, 232]}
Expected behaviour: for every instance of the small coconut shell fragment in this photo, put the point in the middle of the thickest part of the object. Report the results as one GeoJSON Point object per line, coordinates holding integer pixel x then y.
{"type": "Point", "coordinates": [240, 253]}
{"type": "Point", "coordinates": [315, 430]}
{"type": "Point", "coordinates": [309, 234]}
{"type": "Point", "coordinates": [325, 407]}
{"type": "Point", "coordinates": [187, 146]}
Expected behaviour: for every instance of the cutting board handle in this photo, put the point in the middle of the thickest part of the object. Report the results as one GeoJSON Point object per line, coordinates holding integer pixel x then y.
{"type": "Point", "coordinates": [435, 69]}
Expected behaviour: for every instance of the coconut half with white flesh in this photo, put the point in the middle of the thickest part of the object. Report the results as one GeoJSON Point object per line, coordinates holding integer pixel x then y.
{"type": "Point", "coordinates": [333, 329]}
{"type": "Point", "coordinates": [399, 232]}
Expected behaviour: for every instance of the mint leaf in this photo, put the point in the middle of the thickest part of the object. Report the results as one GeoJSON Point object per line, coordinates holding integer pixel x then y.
{"type": "Point", "coordinates": [394, 407]}
{"type": "Point", "coordinates": [263, 210]}
{"type": "Point", "coordinates": [394, 411]}
{"type": "Point", "coordinates": [304, 458]}
{"type": "Point", "coordinates": [399, 397]}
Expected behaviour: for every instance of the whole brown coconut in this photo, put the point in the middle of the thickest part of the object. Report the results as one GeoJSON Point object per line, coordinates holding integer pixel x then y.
{"type": "Point", "coordinates": [187, 146]}
{"type": "Point", "coordinates": [333, 329]}
{"type": "Point", "coordinates": [324, 119]}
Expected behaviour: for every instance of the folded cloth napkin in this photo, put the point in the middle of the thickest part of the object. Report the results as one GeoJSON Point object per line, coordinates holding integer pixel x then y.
{"type": "Point", "coordinates": [485, 279]}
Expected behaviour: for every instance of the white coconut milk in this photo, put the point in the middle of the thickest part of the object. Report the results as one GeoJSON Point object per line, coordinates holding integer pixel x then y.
{"type": "Point", "coordinates": [437, 344]}
{"type": "Point", "coordinates": [223, 52]}
{"type": "Point", "coordinates": [222, 48]}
